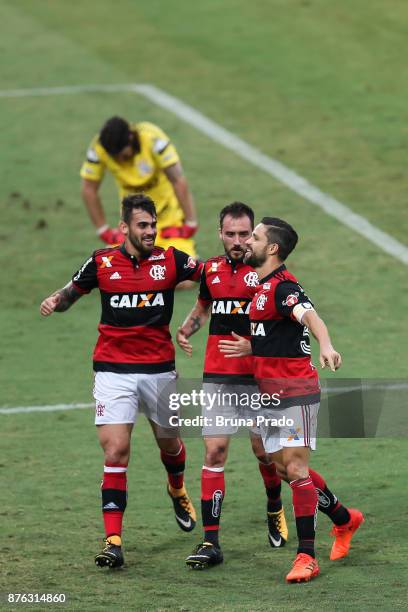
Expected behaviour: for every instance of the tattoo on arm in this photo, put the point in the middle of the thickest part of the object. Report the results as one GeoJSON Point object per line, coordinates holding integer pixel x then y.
{"type": "Point", "coordinates": [69, 295]}
{"type": "Point", "coordinates": [195, 320]}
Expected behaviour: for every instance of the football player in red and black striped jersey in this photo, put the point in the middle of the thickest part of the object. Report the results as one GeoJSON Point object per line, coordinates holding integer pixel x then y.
{"type": "Point", "coordinates": [281, 315]}
{"type": "Point", "coordinates": [226, 290]}
{"type": "Point", "coordinates": [133, 358]}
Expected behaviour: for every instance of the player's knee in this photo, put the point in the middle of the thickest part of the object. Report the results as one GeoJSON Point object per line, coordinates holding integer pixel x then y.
{"type": "Point", "coordinates": [216, 457]}
{"type": "Point", "coordinates": [296, 468]}
{"type": "Point", "coordinates": [117, 453]}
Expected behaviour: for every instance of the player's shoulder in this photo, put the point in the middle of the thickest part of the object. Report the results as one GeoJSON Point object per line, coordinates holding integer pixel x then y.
{"type": "Point", "coordinates": [148, 128]}
{"type": "Point", "coordinates": [95, 151]}
{"type": "Point", "coordinates": [107, 251]}
{"type": "Point", "coordinates": [284, 276]}
{"type": "Point", "coordinates": [159, 253]}
{"type": "Point", "coordinates": [215, 262]}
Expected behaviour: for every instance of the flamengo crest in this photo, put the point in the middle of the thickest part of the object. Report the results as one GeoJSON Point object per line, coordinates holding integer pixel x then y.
{"type": "Point", "coordinates": [158, 272]}
{"type": "Point", "coordinates": [251, 279]}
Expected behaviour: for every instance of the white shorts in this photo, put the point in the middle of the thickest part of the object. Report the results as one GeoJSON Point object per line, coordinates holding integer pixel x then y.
{"type": "Point", "coordinates": [229, 411]}
{"type": "Point", "coordinates": [120, 397]}
{"type": "Point", "coordinates": [299, 427]}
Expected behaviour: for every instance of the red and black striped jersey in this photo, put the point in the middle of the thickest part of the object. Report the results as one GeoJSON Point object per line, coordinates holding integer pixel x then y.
{"type": "Point", "coordinates": [280, 344]}
{"type": "Point", "coordinates": [137, 298]}
{"type": "Point", "coordinates": [228, 287]}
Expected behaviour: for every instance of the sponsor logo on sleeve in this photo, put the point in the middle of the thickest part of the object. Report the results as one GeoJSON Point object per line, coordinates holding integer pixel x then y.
{"type": "Point", "coordinates": [191, 263]}
{"type": "Point", "coordinates": [291, 299]}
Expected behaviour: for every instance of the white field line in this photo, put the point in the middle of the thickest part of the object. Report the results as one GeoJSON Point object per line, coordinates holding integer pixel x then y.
{"type": "Point", "coordinates": [364, 387]}
{"type": "Point", "coordinates": [51, 408]}
{"type": "Point", "coordinates": [230, 141]}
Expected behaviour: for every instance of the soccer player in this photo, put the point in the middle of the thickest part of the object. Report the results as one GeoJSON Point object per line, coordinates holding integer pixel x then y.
{"type": "Point", "coordinates": [133, 358]}
{"type": "Point", "coordinates": [226, 289]}
{"type": "Point", "coordinates": [141, 158]}
{"type": "Point", "coordinates": [281, 316]}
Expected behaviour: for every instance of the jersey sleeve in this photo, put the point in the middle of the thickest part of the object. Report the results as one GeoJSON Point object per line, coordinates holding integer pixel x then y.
{"type": "Point", "coordinates": [187, 268]}
{"type": "Point", "coordinates": [163, 151]}
{"type": "Point", "coordinates": [287, 295]}
{"type": "Point", "coordinates": [204, 295]}
{"type": "Point", "coordinates": [93, 167]}
{"type": "Point", "coordinates": [85, 279]}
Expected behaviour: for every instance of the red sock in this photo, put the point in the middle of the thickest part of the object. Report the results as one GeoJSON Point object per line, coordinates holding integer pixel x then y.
{"type": "Point", "coordinates": [114, 497]}
{"type": "Point", "coordinates": [272, 484]}
{"type": "Point", "coordinates": [212, 495]}
{"type": "Point", "coordinates": [175, 465]}
{"type": "Point", "coordinates": [305, 506]}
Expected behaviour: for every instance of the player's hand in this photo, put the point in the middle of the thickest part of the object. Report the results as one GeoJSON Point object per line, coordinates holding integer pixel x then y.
{"type": "Point", "coordinates": [329, 357]}
{"type": "Point", "coordinates": [49, 305]}
{"type": "Point", "coordinates": [183, 342]}
{"type": "Point", "coordinates": [239, 347]}
{"type": "Point", "coordinates": [111, 236]}
{"type": "Point", "coordinates": [187, 230]}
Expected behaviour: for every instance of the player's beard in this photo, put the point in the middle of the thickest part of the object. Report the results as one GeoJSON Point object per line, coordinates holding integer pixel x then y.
{"type": "Point", "coordinates": [140, 247]}
{"type": "Point", "coordinates": [234, 256]}
{"type": "Point", "coordinates": [256, 261]}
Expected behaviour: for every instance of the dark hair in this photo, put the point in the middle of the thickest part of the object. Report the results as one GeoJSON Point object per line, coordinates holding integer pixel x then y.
{"type": "Point", "coordinates": [115, 135]}
{"type": "Point", "coordinates": [281, 233]}
{"type": "Point", "coordinates": [138, 200]}
{"type": "Point", "coordinates": [237, 210]}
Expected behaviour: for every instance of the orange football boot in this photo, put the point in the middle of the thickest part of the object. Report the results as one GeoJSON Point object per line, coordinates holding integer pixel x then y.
{"type": "Point", "coordinates": [344, 533]}
{"type": "Point", "coordinates": [304, 569]}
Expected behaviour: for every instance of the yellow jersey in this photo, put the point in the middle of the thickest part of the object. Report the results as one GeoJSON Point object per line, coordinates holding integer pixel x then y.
{"type": "Point", "coordinates": [142, 173]}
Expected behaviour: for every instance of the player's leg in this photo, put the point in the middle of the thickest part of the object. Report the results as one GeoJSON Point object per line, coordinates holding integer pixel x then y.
{"type": "Point", "coordinates": [304, 498]}
{"type": "Point", "coordinates": [115, 442]}
{"type": "Point", "coordinates": [173, 457]}
{"type": "Point", "coordinates": [212, 495]}
{"type": "Point", "coordinates": [345, 520]}
{"type": "Point", "coordinates": [155, 391]}
{"type": "Point", "coordinates": [277, 527]}
{"type": "Point", "coordinates": [115, 415]}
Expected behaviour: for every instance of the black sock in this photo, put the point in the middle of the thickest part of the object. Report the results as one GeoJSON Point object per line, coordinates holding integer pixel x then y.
{"type": "Point", "coordinates": [212, 536]}
{"type": "Point", "coordinates": [305, 526]}
{"type": "Point", "coordinates": [329, 504]}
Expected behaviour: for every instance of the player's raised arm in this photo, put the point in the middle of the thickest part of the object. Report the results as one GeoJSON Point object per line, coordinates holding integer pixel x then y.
{"type": "Point", "coordinates": [60, 300]}
{"type": "Point", "coordinates": [194, 321]}
{"type": "Point", "coordinates": [328, 355]}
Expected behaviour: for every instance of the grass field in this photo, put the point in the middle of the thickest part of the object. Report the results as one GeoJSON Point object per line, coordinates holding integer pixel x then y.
{"type": "Point", "coordinates": [319, 86]}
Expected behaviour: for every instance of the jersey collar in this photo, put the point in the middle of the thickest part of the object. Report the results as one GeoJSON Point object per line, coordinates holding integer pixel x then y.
{"type": "Point", "coordinates": [274, 273]}
{"type": "Point", "coordinates": [135, 261]}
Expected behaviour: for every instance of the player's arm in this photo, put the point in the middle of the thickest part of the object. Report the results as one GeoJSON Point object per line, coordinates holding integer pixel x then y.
{"type": "Point", "coordinates": [184, 196]}
{"type": "Point", "coordinates": [93, 202]}
{"type": "Point", "coordinates": [194, 321]}
{"type": "Point", "coordinates": [328, 355]}
{"type": "Point", "coordinates": [60, 300]}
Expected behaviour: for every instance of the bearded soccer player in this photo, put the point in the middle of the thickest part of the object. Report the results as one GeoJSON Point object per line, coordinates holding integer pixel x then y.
{"type": "Point", "coordinates": [141, 158]}
{"type": "Point", "coordinates": [133, 359]}
{"type": "Point", "coordinates": [281, 316]}
{"type": "Point", "coordinates": [226, 289]}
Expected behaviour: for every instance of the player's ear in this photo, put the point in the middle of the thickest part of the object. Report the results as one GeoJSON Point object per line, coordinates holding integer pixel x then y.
{"type": "Point", "coordinates": [124, 228]}
{"type": "Point", "coordinates": [219, 233]}
{"type": "Point", "coordinates": [274, 249]}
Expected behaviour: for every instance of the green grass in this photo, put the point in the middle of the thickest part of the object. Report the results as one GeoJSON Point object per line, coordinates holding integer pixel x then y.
{"type": "Point", "coordinates": [50, 530]}
{"type": "Point", "coordinates": [312, 83]}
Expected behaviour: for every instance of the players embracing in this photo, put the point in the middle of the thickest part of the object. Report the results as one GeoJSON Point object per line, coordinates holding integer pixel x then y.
{"type": "Point", "coordinates": [280, 315]}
